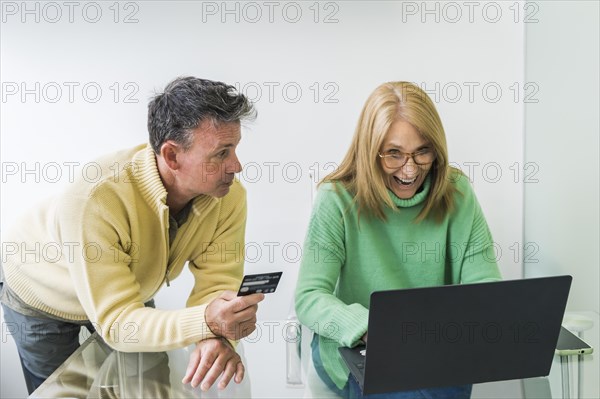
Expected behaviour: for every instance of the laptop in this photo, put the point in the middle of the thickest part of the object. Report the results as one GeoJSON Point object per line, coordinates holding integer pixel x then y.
{"type": "Point", "coordinates": [459, 334]}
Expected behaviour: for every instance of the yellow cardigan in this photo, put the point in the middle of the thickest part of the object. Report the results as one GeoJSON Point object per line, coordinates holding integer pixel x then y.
{"type": "Point", "coordinates": [101, 250]}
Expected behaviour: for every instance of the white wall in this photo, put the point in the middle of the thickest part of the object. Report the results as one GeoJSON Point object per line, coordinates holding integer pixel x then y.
{"type": "Point", "coordinates": [321, 68]}
{"type": "Point", "coordinates": [562, 140]}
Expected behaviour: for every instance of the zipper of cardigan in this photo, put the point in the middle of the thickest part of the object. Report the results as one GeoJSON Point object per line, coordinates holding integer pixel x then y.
{"type": "Point", "coordinates": [166, 216]}
{"type": "Point", "coordinates": [168, 250]}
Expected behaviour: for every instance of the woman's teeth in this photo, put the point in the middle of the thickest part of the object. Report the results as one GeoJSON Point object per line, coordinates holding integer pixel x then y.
{"type": "Point", "coordinates": [405, 182]}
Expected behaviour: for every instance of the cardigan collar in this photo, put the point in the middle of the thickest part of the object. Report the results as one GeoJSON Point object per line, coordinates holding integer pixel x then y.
{"type": "Point", "coordinates": [151, 187]}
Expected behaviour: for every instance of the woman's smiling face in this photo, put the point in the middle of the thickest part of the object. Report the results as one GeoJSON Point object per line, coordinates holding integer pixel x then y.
{"type": "Point", "coordinates": [402, 140]}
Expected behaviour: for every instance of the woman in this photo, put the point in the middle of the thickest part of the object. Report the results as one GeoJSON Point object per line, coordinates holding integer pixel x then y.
{"type": "Point", "coordinates": [393, 215]}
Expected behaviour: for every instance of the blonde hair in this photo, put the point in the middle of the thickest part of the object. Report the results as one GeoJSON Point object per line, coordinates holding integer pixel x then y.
{"type": "Point", "coordinates": [361, 172]}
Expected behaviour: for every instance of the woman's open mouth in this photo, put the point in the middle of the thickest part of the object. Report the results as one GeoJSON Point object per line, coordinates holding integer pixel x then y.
{"type": "Point", "coordinates": [405, 182]}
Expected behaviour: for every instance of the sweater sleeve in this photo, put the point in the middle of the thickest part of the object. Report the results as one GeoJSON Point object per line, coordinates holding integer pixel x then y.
{"type": "Point", "coordinates": [478, 260]}
{"type": "Point", "coordinates": [110, 294]}
{"type": "Point", "coordinates": [323, 258]}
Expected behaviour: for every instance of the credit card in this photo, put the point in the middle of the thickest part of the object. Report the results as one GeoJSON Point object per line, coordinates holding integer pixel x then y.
{"type": "Point", "coordinates": [265, 283]}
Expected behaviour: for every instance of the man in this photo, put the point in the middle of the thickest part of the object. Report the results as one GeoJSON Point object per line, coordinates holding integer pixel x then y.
{"type": "Point", "coordinates": [99, 252]}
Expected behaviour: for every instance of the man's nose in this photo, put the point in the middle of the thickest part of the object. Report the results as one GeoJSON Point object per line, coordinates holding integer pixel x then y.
{"type": "Point", "coordinates": [234, 166]}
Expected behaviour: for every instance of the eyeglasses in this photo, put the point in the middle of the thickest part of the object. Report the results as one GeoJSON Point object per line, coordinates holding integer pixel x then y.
{"type": "Point", "coordinates": [395, 159]}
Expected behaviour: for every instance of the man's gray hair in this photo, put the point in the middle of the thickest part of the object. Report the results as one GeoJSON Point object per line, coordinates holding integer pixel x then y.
{"type": "Point", "coordinates": [187, 102]}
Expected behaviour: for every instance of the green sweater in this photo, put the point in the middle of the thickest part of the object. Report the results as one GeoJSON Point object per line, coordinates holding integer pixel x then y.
{"type": "Point", "coordinates": [344, 263]}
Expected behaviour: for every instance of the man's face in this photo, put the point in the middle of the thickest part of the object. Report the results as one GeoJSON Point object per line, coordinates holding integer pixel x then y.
{"type": "Point", "coordinates": [208, 167]}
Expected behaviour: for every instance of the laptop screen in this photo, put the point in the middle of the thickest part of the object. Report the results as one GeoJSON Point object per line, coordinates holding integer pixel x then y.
{"type": "Point", "coordinates": [463, 334]}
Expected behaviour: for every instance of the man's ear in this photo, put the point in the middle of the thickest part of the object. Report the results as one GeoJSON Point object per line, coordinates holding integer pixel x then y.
{"type": "Point", "coordinates": [169, 151]}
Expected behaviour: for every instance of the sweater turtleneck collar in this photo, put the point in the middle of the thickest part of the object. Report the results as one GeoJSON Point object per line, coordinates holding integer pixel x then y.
{"type": "Point", "coordinates": [416, 199]}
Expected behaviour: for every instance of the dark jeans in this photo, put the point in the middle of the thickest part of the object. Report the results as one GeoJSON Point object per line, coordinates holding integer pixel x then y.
{"type": "Point", "coordinates": [352, 389]}
{"type": "Point", "coordinates": [43, 344]}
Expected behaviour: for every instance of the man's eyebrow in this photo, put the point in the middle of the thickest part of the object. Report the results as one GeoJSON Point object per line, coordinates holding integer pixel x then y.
{"type": "Point", "coordinates": [223, 146]}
